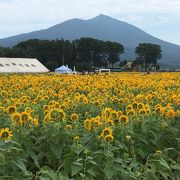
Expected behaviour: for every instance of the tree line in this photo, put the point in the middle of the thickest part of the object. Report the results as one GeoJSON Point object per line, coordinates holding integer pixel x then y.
{"type": "Point", "coordinates": [84, 53]}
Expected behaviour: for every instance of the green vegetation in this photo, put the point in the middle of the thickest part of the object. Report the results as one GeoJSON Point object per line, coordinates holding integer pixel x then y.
{"type": "Point", "coordinates": [84, 53]}
{"type": "Point", "coordinates": [148, 54]}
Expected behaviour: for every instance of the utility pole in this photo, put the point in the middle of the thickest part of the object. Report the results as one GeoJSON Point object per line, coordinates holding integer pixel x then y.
{"type": "Point", "coordinates": [62, 40]}
{"type": "Point", "coordinates": [144, 64]}
{"type": "Point", "coordinates": [92, 58]}
{"type": "Point", "coordinates": [63, 58]}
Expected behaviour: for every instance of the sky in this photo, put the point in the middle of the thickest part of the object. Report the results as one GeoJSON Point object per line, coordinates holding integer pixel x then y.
{"type": "Point", "coordinates": [160, 18]}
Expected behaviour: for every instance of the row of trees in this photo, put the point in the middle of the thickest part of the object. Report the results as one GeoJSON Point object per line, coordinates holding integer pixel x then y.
{"type": "Point", "coordinates": [84, 53]}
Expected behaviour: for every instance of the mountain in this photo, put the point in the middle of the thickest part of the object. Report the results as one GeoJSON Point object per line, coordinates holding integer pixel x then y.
{"type": "Point", "coordinates": [105, 28]}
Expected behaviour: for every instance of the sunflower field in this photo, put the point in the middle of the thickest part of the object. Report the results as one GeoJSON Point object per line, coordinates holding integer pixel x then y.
{"type": "Point", "coordinates": [72, 127]}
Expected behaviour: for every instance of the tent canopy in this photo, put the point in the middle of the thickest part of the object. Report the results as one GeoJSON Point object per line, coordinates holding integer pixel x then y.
{"type": "Point", "coordinates": [63, 69]}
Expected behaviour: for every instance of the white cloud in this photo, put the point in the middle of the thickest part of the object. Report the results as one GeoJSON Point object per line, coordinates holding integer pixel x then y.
{"type": "Point", "coordinates": [18, 16]}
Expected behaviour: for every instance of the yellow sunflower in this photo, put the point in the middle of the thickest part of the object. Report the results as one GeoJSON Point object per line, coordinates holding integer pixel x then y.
{"type": "Point", "coordinates": [63, 106]}
{"type": "Point", "coordinates": [17, 119]}
{"type": "Point", "coordinates": [129, 107]}
{"type": "Point", "coordinates": [46, 107]}
{"type": "Point", "coordinates": [29, 110]}
{"type": "Point", "coordinates": [47, 119]}
{"type": "Point", "coordinates": [25, 116]}
{"type": "Point", "coordinates": [131, 112]}
{"type": "Point", "coordinates": [119, 113]}
{"type": "Point", "coordinates": [6, 134]}
{"type": "Point", "coordinates": [35, 121]}
{"type": "Point", "coordinates": [57, 114]}
{"type": "Point", "coordinates": [95, 122]}
{"type": "Point", "coordinates": [110, 122]}
{"type": "Point", "coordinates": [62, 115]}
{"type": "Point", "coordinates": [121, 101]}
{"type": "Point", "coordinates": [142, 111]}
{"type": "Point", "coordinates": [140, 105]}
{"type": "Point", "coordinates": [171, 113]}
{"type": "Point", "coordinates": [108, 138]}
{"type": "Point", "coordinates": [74, 117]}
{"type": "Point", "coordinates": [114, 115]}
{"type": "Point", "coordinates": [106, 131]}
{"type": "Point", "coordinates": [54, 114]}
{"type": "Point", "coordinates": [123, 119]}
{"type": "Point", "coordinates": [85, 101]}
{"type": "Point", "coordinates": [76, 138]}
{"type": "Point", "coordinates": [106, 113]}
{"type": "Point", "coordinates": [69, 127]}
{"type": "Point", "coordinates": [11, 109]}
{"type": "Point", "coordinates": [46, 97]}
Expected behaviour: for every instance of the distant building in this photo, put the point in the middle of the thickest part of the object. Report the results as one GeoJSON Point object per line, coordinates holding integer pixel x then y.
{"type": "Point", "coordinates": [128, 65]}
{"type": "Point", "coordinates": [132, 66]}
{"type": "Point", "coordinates": [21, 65]}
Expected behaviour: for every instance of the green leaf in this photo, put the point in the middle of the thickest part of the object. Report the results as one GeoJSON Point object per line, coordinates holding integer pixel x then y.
{"type": "Point", "coordinates": [17, 149]}
{"type": "Point", "coordinates": [35, 158]}
{"type": "Point", "coordinates": [57, 150]}
{"type": "Point", "coordinates": [51, 174]}
{"type": "Point", "coordinates": [78, 160]}
{"type": "Point", "coordinates": [76, 168]}
{"type": "Point", "coordinates": [150, 175]}
{"type": "Point", "coordinates": [165, 175]}
{"type": "Point", "coordinates": [118, 160]}
{"type": "Point", "coordinates": [67, 164]}
{"type": "Point", "coordinates": [20, 164]}
{"type": "Point", "coordinates": [175, 167]}
{"type": "Point", "coordinates": [43, 178]}
{"type": "Point", "coordinates": [99, 152]}
{"type": "Point", "coordinates": [143, 140]}
{"type": "Point", "coordinates": [2, 157]}
{"type": "Point", "coordinates": [82, 175]}
{"type": "Point", "coordinates": [91, 172]}
{"type": "Point", "coordinates": [14, 142]}
{"type": "Point", "coordinates": [119, 168]}
{"type": "Point", "coordinates": [42, 138]}
{"type": "Point", "coordinates": [109, 171]}
{"type": "Point", "coordinates": [93, 162]}
{"type": "Point", "coordinates": [164, 163]}
{"type": "Point", "coordinates": [62, 177]}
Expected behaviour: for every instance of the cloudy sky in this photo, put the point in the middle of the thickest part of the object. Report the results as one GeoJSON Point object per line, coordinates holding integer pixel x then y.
{"type": "Point", "coordinates": [160, 18]}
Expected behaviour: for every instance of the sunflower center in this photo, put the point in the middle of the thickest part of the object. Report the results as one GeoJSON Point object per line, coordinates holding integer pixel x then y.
{"type": "Point", "coordinates": [11, 110]}
{"type": "Point", "coordinates": [106, 132]}
{"type": "Point", "coordinates": [24, 117]}
{"type": "Point", "coordinates": [16, 118]}
{"type": "Point", "coordinates": [5, 135]}
{"type": "Point", "coordinates": [123, 119]}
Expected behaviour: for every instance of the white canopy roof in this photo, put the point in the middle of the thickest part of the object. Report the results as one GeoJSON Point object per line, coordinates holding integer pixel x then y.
{"type": "Point", "coordinates": [21, 65]}
{"type": "Point", "coordinates": [63, 70]}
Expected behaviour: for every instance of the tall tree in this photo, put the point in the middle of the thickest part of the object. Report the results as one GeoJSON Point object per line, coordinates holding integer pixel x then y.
{"type": "Point", "coordinates": [148, 54]}
{"type": "Point", "coordinates": [114, 50]}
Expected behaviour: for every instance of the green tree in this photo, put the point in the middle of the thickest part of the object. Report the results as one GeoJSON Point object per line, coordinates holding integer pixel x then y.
{"type": "Point", "coordinates": [114, 50]}
{"type": "Point", "coordinates": [84, 53]}
{"type": "Point", "coordinates": [148, 54]}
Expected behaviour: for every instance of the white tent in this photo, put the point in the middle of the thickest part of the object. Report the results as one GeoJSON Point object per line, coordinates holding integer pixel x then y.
{"type": "Point", "coordinates": [21, 65]}
{"type": "Point", "coordinates": [63, 70]}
